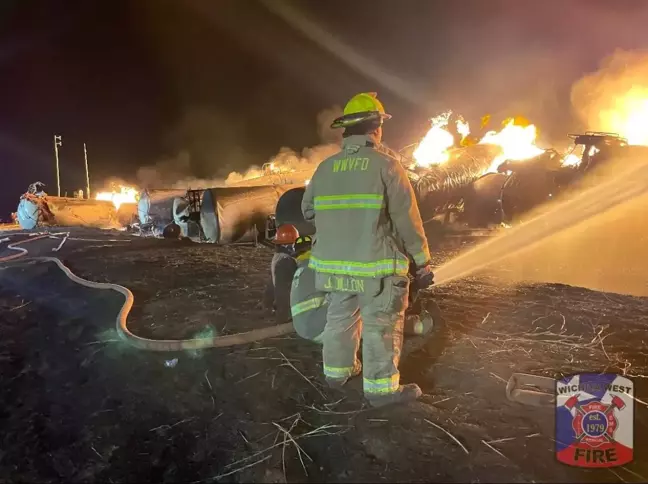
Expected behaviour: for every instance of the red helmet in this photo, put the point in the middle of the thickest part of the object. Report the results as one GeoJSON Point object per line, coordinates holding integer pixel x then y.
{"type": "Point", "coordinates": [286, 235]}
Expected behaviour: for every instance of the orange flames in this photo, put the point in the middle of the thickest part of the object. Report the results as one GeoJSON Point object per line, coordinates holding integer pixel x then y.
{"type": "Point", "coordinates": [118, 196]}
{"type": "Point", "coordinates": [626, 113]}
{"type": "Point", "coordinates": [517, 142]}
{"type": "Point", "coordinates": [517, 139]}
{"type": "Point", "coordinates": [433, 148]}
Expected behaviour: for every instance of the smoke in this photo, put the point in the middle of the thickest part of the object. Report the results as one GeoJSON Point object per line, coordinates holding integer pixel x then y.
{"type": "Point", "coordinates": [175, 172]}
{"type": "Point", "coordinates": [615, 98]}
{"type": "Point", "coordinates": [207, 146]}
{"type": "Point", "coordinates": [288, 161]}
{"type": "Point", "coordinates": [211, 148]}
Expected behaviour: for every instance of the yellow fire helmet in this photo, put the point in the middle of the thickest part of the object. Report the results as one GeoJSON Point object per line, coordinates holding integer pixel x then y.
{"type": "Point", "coordinates": [360, 108]}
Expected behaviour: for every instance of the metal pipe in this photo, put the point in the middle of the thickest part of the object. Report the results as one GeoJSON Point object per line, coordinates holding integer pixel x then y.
{"type": "Point", "coordinates": [85, 156]}
{"type": "Point", "coordinates": [57, 142]}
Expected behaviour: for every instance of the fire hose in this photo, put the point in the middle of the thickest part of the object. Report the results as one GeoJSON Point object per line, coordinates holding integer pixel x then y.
{"type": "Point", "coordinates": [514, 390]}
{"type": "Point", "coordinates": [122, 317]}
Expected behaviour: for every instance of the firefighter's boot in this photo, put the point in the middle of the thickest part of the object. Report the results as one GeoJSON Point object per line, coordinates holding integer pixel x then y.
{"type": "Point", "coordinates": [338, 383]}
{"type": "Point", "coordinates": [404, 394]}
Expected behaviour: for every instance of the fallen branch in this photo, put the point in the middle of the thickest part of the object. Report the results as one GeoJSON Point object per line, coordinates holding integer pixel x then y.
{"type": "Point", "coordinates": [289, 364]}
{"type": "Point", "coordinates": [21, 306]}
{"type": "Point", "coordinates": [493, 449]}
{"type": "Point", "coordinates": [220, 476]}
{"type": "Point", "coordinates": [449, 435]}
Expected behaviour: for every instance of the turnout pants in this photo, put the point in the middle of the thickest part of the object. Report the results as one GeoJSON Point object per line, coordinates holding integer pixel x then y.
{"type": "Point", "coordinates": [378, 320]}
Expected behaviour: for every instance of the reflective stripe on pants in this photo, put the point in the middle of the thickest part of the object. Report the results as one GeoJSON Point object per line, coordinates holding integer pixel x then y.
{"type": "Point", "coordinates": [379, 321]}
{"type": "Point", "coordinates": [307, 305]}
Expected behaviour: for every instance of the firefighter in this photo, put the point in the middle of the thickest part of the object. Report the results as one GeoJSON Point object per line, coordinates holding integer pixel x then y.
{"type": "Point", "coordinates": [308, 305]}
{"type": "Point", "coordinates": [368, 229]}
{"type": "Point", "coordinates": [282, 269]}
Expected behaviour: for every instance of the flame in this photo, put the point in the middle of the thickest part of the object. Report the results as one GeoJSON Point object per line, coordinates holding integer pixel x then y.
{"type": "Point", "coordinates": [571, 160]}
{"type": "Point", "coordinates": [629, 116]}
{"type": "Point", "coordinates": [463, 128]}
{"type": "Point", "coordinates": [433, 148]}
{"type": "Point", "coordinates": [124, 195]}
{"type": "Point", "coordinates": [575, 156]}
{"type": "Point", "coordinates": [517, 143]}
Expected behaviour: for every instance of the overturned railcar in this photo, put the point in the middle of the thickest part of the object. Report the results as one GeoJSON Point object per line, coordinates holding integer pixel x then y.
{"type": "Point", "coordinates": [289, 211]}
{"type": "Point", "coordinates": [44, 210]}
{"type": "Point", "coordinates": [238, 214]}
{"type": "Point", "coordinates": [155, 206]}
{"type": "Point", "coordinates": [531, 183]}
{"type": "Point", "coordinates": [459, 186]}
{"type": "Point", "coordinates": [535, 182]}
{"type": "Point", "coordinates": [482, 204]}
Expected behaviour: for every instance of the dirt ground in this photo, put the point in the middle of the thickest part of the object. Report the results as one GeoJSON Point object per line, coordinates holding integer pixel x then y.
{"type": "Point", "coordinates": [81, 405]}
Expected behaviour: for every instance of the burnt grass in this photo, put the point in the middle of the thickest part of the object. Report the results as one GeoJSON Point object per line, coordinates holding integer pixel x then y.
{"type": "Point", "coordinates": [80, 405]}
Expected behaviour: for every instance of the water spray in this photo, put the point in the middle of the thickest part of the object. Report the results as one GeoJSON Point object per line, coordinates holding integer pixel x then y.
{"type": "Point", "coordinates": [620, 188]}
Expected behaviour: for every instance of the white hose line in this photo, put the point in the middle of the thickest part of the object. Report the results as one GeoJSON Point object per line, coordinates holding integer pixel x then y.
{"type": "Point", "coordinates": [145, 343]}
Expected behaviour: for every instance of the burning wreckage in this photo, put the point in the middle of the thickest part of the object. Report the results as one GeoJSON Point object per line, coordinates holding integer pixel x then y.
{"type": "Point", "coordinates": [457, 178]}
{"type": "Point", "coordinates": [504, 175]}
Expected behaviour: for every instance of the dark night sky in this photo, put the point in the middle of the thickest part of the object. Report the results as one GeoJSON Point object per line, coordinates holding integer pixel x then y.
{"type": "Point", "coordinates": [231, 82]}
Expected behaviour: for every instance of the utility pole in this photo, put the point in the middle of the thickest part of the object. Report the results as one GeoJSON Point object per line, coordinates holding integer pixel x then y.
{"type": "Point", "coordinates": [85, 155]}
{"type": "Point", "coordinates": [57, 142]}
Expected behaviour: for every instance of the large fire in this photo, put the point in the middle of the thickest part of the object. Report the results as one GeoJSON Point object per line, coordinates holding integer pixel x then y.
{"type": "Point", "coordinates": [518, 139]}
{"type": "Point", "coordinates": [628, 116]}
{"type": "Point", "coordinates": [433, 148]}
{"type": "Point", "coordinates": [117, 197]}
{"type": "Point", "coordinates": [517, 142]}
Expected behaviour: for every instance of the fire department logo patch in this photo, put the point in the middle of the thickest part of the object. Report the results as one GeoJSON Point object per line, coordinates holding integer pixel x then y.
{"type": "Point", "coordinates": [594, 420]}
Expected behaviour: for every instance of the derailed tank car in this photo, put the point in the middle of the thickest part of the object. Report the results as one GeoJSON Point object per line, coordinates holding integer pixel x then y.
{"type": "Point", "coordinates": [530, 183]}
{"type": "Point", "coordinates": [458, 186]}
{"type": "Point", "coordinates": [288, 211]}
{"type": "Point", "coordinates": [534, 182]}
{"type": "Point", "coordinates": [43, 210]}
{"type": "Point", "coordinates": [155, 206]}
{"type": "Point", "coordinates": [459, 189]}
{"type": "Point", "coordinates": [238, 214]}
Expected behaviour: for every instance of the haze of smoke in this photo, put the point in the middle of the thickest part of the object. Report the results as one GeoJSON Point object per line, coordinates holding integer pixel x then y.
{"type": "Point", "coordinates": [174, 173]}
{"type": "Point", "coordinates": [612, 97]}
{"type": "Point", "coordinates": [208, 145]}
{"type": "Point", "coordinates": [180, 171]}
{"type": "Point", "coordinates": [306, 161]}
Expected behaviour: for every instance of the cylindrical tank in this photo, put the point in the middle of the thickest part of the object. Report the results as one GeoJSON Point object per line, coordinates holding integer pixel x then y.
{"type": "Point", "coordinates": [29, 215]}
{"type": "Point", "coordinates": [237, 214]}
{"type": "Point", "coordinates": [67, 212]}
{"type": "Point", "coordinates": [444, 186]}
{"type": "Point", "coordinates": [188, 228]}
{"type": "Point", "coordinates": [155, 206]}
{"type": "Point", "coordinates": [482, 203]}
{"type": "Point", "coordinates": [289, 211]}
{"type": "Point", "coordinates": [530, 183]}
{"type": "Point", "coordinates": [525, 190]}
{"type": "Point", "coordinates": [127, 213]}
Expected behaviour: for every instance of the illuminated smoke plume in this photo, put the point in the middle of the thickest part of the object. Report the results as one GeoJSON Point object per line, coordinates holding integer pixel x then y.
{"type": "Point", "coordinates": [615, 98]}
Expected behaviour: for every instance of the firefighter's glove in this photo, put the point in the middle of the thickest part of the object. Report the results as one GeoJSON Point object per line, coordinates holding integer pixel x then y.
{"type": "Point", "coordinates": [424, 277]}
